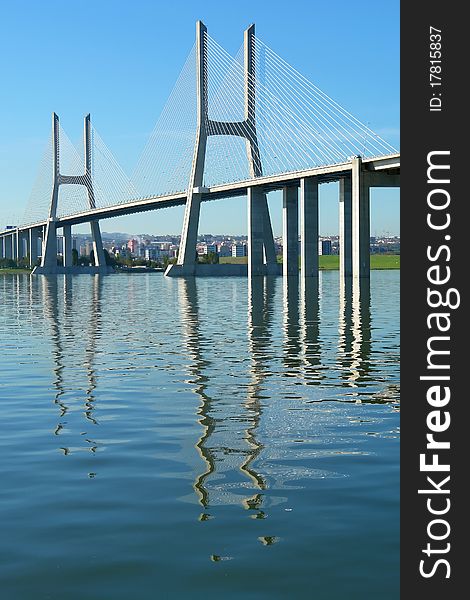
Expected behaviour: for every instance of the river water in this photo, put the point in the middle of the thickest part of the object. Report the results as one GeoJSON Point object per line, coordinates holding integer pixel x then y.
{"type": "Point", "coordinates": [170, 438]}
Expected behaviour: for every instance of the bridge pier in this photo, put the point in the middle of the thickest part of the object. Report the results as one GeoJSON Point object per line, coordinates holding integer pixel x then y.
{"type": "Point", "coordinates": [7, 246]}
{"type": "Point", "coordinates": [187, 252]}
{"type": "Point", "coordinates": [268, 238]}
{"type": "Point", "coordinates": [33, 236]}
{"type": "Point", "coordinates": [309, 227]}
{"type": "Point", "coordinates": [49, 249]}
{"type": "Point", "coordinates": [67, 255]}
{"type": "Point", "coordinates": [261, 250]}
{"type": "Point", "coordinates": [360, 221]}
{"type": "Point", "coordinates": [22, 246]}
{"type": "Point", "coordinates": [5, 239]}
{"type": "Point", "coordinates": [290, 231]}
{"type": "Point", "coordinates": [14, 245]}
{"type": "Point", "coordinates": [345, 228]}
{"type": "Point", "coordinates": [255, 232]}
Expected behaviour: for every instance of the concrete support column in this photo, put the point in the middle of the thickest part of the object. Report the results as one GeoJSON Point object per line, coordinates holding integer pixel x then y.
{"type": "Point", "coordinates": [8, 246]}
{"type": "Point", "coordinates": [255, 232]}
{"type": "Point", "coordinates": [14, 245]}
{"type": "Point", "coordinates": [187, 252]}
{"type": "Point", "coordinates": [67, 230]}
{"type": "Point", "coordinates": [309, 226]}
{"type": "Point", "coordinates": [22, 244]}
{"type": "Point", "coordinates": [268, 238]}
{"type": "Point", "coordinates": [49, 247]}
{"type": "Point", "coordinates": [360, 221]}
{"type": "Point", "coordinates": [2, 247]}
{"type": "Point", "coordinates": [290, 231]}
{"type": "Point", "coordinates": [100, 260]}
{"type": "Point", "coordinates": [33, 235]}
{"type": "Point", "coordinates": [18, 245]}
{"type": "Point", "coordinates": [43, 241]}
{"type": "Point", "coordinates": [345, 227]}
{"type": "Point", "coordinates": [20, 253]}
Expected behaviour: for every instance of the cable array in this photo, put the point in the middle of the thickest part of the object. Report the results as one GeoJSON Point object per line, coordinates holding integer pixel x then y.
{"type": "Point", "coordinates": [226, 155]}
{"type": "Point", "coordinates": [110, 183]}
{"type": "Point", "coordinates": [37, 208]}
{"type": "Point", "coordinates": [165, 163]}
{"type": "Point", "coordinates": [276, 115]}
{"type": "Point", "coordinates": [339, 132]}
{"type": "Point", "coordinates": [296, 125]}
{"type": "Point", "coordinates": [72, 198]}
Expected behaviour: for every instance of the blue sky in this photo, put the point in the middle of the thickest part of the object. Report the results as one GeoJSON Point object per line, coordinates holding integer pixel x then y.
{"type": "Point", "coordinates": [119, 61]}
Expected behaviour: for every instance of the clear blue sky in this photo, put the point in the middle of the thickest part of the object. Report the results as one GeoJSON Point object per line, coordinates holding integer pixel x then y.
{"type": "Point", "coordinates": [119, 61]}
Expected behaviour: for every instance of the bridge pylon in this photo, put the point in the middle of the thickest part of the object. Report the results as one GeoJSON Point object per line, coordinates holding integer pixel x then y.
{"type": "Point", "coordinates": [49, 246]}
{"type": "Point", "coordinates": [261, 250]}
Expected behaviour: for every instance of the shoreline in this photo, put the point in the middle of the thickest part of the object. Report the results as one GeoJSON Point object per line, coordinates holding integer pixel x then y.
{"type": "Point", "coordinates": [378, 262]}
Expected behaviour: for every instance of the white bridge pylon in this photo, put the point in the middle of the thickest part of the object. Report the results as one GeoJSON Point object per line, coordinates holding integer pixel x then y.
{"type": "Point", "coordinates": [246, 128]}
{"type": "Point", "coordinates": [49, 250]}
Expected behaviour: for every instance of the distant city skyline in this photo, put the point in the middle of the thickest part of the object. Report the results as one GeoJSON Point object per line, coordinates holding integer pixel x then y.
{"type": "Point", "coordinates": [113, 65]}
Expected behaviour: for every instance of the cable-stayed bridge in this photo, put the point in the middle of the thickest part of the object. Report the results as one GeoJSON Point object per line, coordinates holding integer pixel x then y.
{"type": "Point", "coordinates": [233, 125]}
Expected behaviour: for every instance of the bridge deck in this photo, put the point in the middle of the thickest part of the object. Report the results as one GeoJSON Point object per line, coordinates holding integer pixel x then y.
{"type": "Point", "coordinates": [386, 164]}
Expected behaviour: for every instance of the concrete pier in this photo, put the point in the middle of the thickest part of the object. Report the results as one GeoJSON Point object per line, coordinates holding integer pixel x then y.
{"type": "Point", "coordinates": [49, 251]}
{"type": "Point", "coordinates": [290, 231]}
{"type": "Point", "coordinates": [187, 251]}
{"type": "Point", "coordinates": [33, 236]}
{"type": "Point", "coordinates": [67, 256]}
{"type": "Point", "coordinates": [309, 227]}
{"type": "Point", "coordinates": [345, 227]}
{"type": "Point", "coordinates": [360, 222]}
{"type": "Point", "coordinates": [268, 237]}
{"type": "Point", "coordinates": [24, 244]}
{"type": "Point", "coordinates": [98, 252]}
{"type": "Point", "coordinates": [8, 246]}
{"type": "Point", "coordinates": [14, 245]}
{"type": "Point", "coordinates": [255, 232]}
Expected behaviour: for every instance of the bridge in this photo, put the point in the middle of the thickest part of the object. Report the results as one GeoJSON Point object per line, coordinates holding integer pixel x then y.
{"type": "Point", "coordinates": [232, 126]}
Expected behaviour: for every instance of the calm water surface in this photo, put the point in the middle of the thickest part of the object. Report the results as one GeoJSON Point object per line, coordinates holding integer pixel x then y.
{"type": "Point", "coordinates": [207, 439]}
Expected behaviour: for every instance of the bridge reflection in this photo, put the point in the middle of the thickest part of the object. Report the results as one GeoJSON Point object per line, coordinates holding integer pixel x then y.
{"type": "Point", "coordinates": [188, 302]}
{"type": "Point", "coordinates": [228, 441]}
{"type": "Point", "coordinates": [309, 334]}
{"type": "Point", "coordinates": [232, 444]}
{"type": "Point", "coordinates": [354, 340]}
{"type": "Point", "coordinates": [60, 312]}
